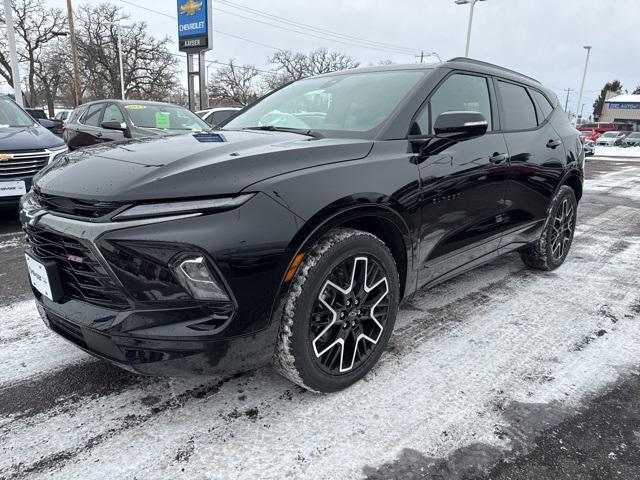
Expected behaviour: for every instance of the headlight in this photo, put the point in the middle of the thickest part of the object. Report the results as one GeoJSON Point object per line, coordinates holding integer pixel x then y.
{"type": "Point", "coordinates": [172, 208]}
{"type": "Point", "coordinates": [55, 154]}
{"type": "Point", "coordinates": [194, 275]}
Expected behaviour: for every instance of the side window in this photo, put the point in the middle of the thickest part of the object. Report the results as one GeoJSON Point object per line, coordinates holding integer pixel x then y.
{"type": "Point", "coordinates": [92, 117]}
{"type": "Point", "coordinates": [519, 112]}
{"type": "Point", "coordinates": [543, 104]}
{"type": "Point", "coordinates": [113, 114]}
{"type": "Point", "coordinates": [219, 117]}
{"type": "Point", "coordinates": [459, 92]}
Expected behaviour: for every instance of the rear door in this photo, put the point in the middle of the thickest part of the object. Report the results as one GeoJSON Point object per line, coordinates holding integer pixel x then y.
{"type": "Point", "coordinates": [536, 158]}
{"type": "Point", "coordinates": [463, 185]}
{"type": "Point", "coordinates": [87, 129]}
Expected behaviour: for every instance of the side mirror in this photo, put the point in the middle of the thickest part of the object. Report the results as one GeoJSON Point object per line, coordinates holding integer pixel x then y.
{"type": "Point", "coordinates": [459, 126]}
{"type": "Point", "coordinates": [122, 126]}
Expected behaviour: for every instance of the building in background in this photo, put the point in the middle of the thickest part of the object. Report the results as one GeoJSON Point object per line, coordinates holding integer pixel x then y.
{"type": "Point", "coordinates": [622, 109]}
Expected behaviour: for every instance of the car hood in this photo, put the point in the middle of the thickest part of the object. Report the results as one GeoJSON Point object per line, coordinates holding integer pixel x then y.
{"type": "Point", "coordinates": [27, 138]}
{"type": "Point", "coordinates": [190, 165]}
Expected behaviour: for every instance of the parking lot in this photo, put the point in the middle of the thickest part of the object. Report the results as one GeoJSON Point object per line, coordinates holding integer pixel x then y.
{"type": "Point", "coordinates": [486, 368]}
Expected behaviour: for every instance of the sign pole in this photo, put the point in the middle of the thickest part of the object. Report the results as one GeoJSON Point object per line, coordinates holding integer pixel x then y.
{"type": "Point", "coordinates": [202, 75]}
{"type": "Point", "coordinates": [191, 82]}
{"type": "Point", "coordinates": [195, 37]}
{"type": "Point", "coordinates": [15, 68]}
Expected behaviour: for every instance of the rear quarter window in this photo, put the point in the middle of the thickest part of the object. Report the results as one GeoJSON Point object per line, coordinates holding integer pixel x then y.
{"type": "Point", "coordinates": [544, 105]}
{"type": "Point", "coordinates": [519, 111]}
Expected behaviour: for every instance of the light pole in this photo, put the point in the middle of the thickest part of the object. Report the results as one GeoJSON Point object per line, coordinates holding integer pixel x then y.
{"type": "Point", "coordinates": [472, 4]}
{"type": "Point", "coordinates": [119, 40]}
{"type": "Point", "coordinates": [15, 68]}
{"type": "Point", "coordinates": [584, 76]}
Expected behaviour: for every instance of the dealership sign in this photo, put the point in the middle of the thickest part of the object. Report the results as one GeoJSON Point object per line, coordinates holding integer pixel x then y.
{"type": "Point", "coordinates": [624, 106]}
{"type": "Point", "coordinates": [195, 25]}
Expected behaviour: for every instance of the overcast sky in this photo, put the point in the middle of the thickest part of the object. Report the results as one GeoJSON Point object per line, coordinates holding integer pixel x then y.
{"type": "Point", "coordinates": [541, 38]}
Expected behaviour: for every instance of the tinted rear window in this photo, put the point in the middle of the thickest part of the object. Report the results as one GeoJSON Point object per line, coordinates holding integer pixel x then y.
{"type": "Point", "coordinates": [519, 112]}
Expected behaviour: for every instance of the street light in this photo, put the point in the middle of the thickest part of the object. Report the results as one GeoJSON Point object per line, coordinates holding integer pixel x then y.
{"type": "Point", "coordinates": [584, 76]}
{"type": "Point", "coordinates": [472, 3]}
{"type": "Point", "coordinates": [119, 37]}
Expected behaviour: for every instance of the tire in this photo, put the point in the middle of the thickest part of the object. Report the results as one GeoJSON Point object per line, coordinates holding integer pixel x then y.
{"type": "Point", "coordinates": [330, 279]}
{"type": "Point", "coordinates": [551, 250]}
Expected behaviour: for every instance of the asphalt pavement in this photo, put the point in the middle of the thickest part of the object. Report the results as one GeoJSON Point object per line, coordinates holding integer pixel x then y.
{"type": "Point", "coordinates": [501, 373]}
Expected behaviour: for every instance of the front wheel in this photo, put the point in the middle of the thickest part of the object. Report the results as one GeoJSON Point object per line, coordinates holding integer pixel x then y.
{"type": "Point", "coordinates": [551, 250]}
{"type": "Point", "coordinates": [339, 311]}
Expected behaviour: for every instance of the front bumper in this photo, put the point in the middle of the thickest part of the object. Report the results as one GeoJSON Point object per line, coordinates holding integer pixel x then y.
{"type": "Point", "coordinates": [249, 248]}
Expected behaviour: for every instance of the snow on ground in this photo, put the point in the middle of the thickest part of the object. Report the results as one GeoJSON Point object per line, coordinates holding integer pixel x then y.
{"type": "Point", "coordinates": [617, 152]}
{"type": "Point", "coordinates": [460, 354]}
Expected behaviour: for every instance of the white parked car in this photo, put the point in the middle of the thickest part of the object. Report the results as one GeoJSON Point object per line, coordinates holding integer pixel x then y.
{"type": "Point", "coordinates": [633, 140]}
{"type": "Point", "coordinates": [215, 116]}
{"type": "Point", "coordinates": [611, 139]}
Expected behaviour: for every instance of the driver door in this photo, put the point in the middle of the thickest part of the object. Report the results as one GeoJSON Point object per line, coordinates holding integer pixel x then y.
{"type": "Point", "coordinates": [463, 184]}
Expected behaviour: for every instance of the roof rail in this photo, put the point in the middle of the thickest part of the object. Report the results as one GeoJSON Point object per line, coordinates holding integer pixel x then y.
{"type": "Point", "coordinates": [487, 64]}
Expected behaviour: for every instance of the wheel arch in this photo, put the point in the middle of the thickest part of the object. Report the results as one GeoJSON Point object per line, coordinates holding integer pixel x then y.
{"type": "Point", "coordinates": [574, 180]}
{"type": "Point", "coordinates": [379, 220]}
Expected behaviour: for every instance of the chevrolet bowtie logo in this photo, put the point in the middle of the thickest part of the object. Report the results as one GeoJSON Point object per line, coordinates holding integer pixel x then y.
{"type": "Point", "coordinates": [4, 157]}
{"type": "Point", "coordinates": [191, 7]}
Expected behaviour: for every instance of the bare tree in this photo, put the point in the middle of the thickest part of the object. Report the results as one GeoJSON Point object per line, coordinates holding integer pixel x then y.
{"type": "Point", "coordinates": [52, 71]}
{"type": "Point", "coordinates": [235, 83]}
{"type": "Point", "coordinates": [290, 66]}
{"type": "Point", "coordinates": [35, 26]}
{"type": "Point", "coordinates": [150, 70]}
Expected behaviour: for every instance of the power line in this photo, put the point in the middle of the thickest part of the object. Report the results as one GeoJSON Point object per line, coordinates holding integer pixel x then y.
{"type": "Point", "coordinates": [324, 31]}
{"type": "Point", "coordinates": [308, 34]}
{"type": "Point", "coordinates": [367, 44]}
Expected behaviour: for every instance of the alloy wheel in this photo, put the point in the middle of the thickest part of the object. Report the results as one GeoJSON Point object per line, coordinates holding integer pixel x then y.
{"type": "Point", "coordinates": [562, 229]}
{"type": "Point", "coordinates": [349, 314]}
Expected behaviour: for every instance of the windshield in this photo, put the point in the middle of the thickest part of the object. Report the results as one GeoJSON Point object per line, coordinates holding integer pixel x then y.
{"type": "Point", "coordinates": [164, 117]}
{"type": "Point", "coordinates": [611, 134]}
{"type": "Point", "coordinates": [11, 115]}
{"type": "Point", "coordinates": [634, 135]}
{"type": "Point", "coordinates": [354, 103]}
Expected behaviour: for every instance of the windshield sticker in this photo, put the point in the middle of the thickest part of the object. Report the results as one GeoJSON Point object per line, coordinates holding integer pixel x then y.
{"type": "Point", "coordinates": [162, 120]}
{"type": "Point", "coordinates": [135, 107]}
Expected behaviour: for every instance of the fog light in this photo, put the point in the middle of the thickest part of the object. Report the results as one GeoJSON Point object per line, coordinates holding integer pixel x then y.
{"type": "Point", "coordinates": [194, 275]}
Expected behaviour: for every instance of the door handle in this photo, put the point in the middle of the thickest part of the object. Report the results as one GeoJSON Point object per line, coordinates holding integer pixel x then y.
{"type": "Point", "coordinates": [98, 135]}
{"type": "Point", "coordinates": [498, 158]}
{"type": "Point", "coordinates": [553, 143]}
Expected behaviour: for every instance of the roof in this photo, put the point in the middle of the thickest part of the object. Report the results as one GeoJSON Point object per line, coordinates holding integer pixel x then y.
{"type": "Point", "coordinates": [454, 63]}
{"type": "Point", "coordinates": [624, 99]}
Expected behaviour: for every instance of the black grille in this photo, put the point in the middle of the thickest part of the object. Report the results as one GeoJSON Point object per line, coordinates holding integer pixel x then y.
{"type": "Point", "coordinates": [22, 164]}
{"type": "Point", "coordinates": [73, 207]}
{"type": "Point", "coordinates": [82, 276]}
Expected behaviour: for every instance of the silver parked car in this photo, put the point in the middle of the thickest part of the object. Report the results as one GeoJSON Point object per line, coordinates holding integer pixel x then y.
{"type": "Point", "coordinates": [611, 139]}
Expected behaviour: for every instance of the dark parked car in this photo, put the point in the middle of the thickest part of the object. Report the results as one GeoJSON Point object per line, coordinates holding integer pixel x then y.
{"type": "Point", "coordinates": [109, 120]}
{"type": "Point", "coordinates": [39, 115]}
{"type": "Point", "coordinates": [25, 148]}
{"type": "Point", "coordinates": [269, 240]}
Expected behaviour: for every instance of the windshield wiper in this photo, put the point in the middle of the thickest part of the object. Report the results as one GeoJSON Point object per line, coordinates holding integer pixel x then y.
{"type": "Point", "coordinates": [272, 128]}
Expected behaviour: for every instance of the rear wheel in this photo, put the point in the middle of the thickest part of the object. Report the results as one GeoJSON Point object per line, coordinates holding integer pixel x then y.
{"type": "Point", "coordinates": [339, 311]}
{"type": "Point", "coordinates": [551, 250]}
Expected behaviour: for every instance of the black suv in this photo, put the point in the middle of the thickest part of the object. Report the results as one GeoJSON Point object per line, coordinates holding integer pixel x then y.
{"type": "Point", "coordinates": [293, 232]}
{"type": "Point", "coordinates": [112, 120]}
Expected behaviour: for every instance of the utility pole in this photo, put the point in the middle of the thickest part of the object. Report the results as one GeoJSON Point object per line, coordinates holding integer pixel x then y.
{"type": "Point", "coordinates": [566, 102]}
{"type": "Point", "coordinates": [584, 74]}
{"type": "Point", "coordinates": [74, 54]}
{"type": "Point", "coordinates": [13, 54]}
{"type": "Point", "coordinates": [421, 56]}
